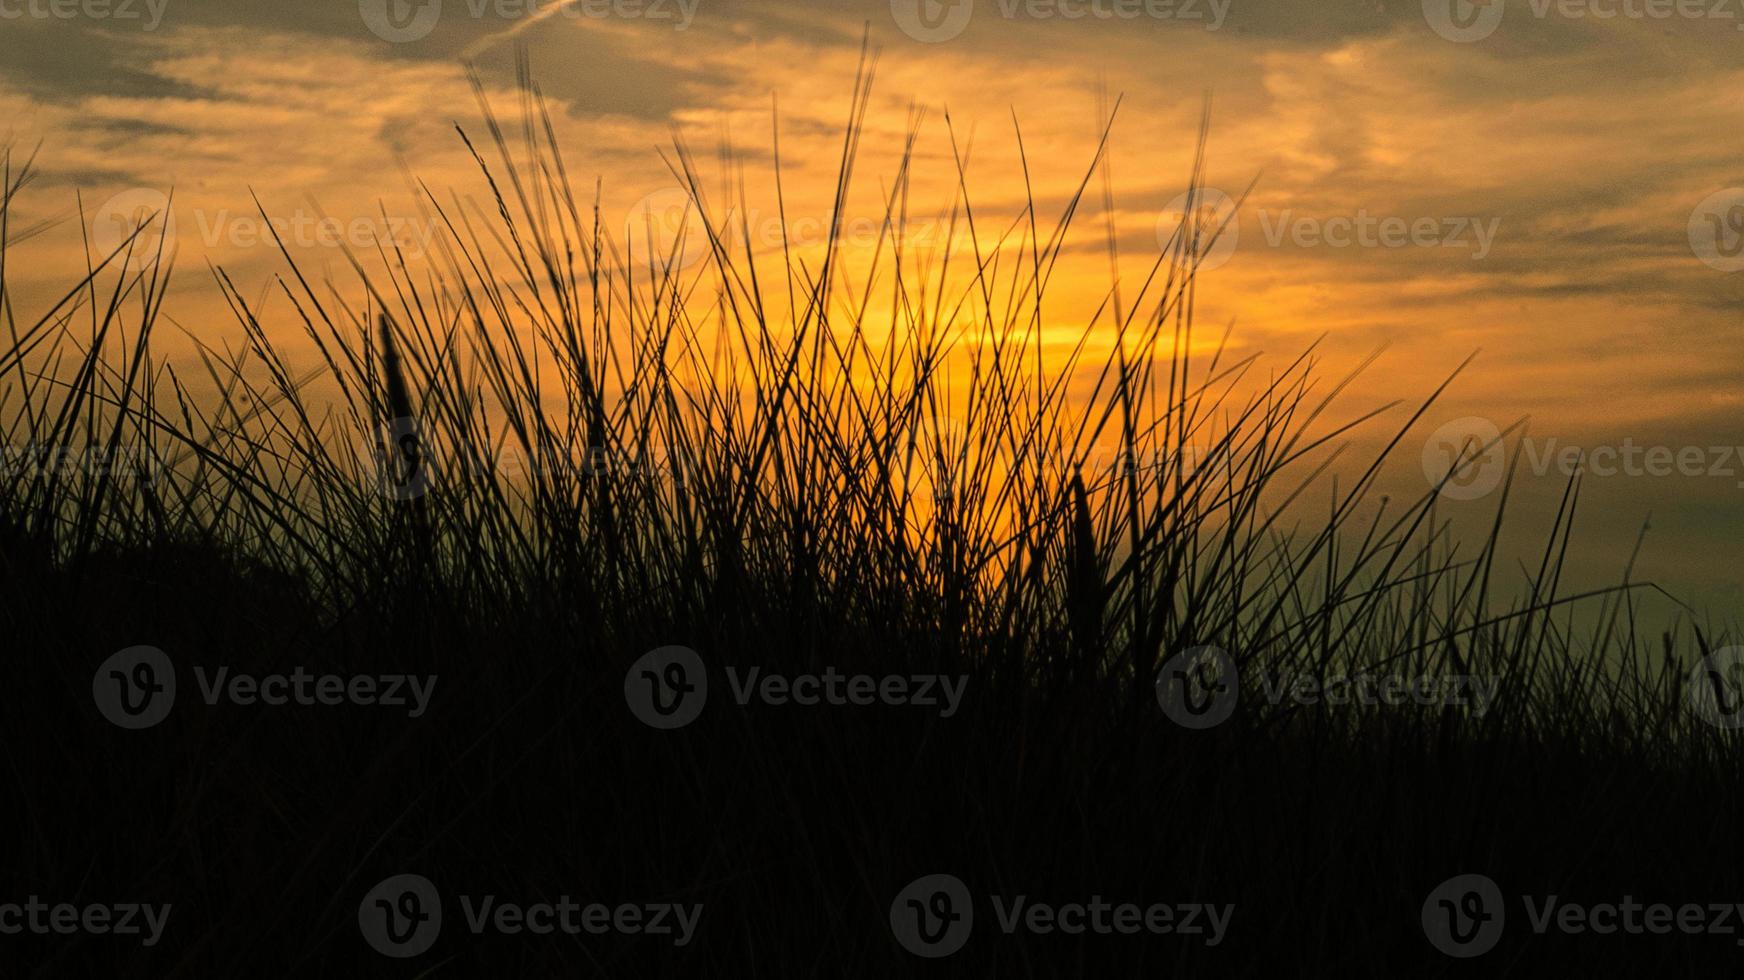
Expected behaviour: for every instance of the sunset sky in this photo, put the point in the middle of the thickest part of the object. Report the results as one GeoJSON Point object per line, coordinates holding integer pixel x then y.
{"type": "Point", "coordinates": [1546, 182]}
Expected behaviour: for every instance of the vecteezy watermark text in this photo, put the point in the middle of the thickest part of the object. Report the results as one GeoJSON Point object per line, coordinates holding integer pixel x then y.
{"type": "Point", "coordinates": [151, 12]}
{"type": "Point", "coordinates": [1465, 459]}
{"type": "Point", "coordinates": [1386, 689]}
{"type": "Point", "coordinates": [400, 21]}
{"type": "Point", "coordinates": [934, 915]}
{"type": "Point", "coordinates": [1209, 236]}
{"type": "Point", "coordinates": [300, 229]}
{"type": "Point", "coordinates": [1211, 13]}
{"type": "Point", "coordinates": [1466, 915]}
{"type": "Point", "coordinates": [141, 222]}
{"type": "Point", "coordinates": [1365, 230]}
{"type": "Point", "coordinates": [1466, 21]}
{"type": "Point", "coordinates": [39, 460]}
{"type": "Point", "coordinates": [1200, 687]}
{"type": "Point", "coordinates": [935, 21]}
{"type": "Point", "coordinates": [36, 916]}
{"type": "Point", "coordinates": [401, 917]}
{"type": "Point", "coordinates": [667, 688]}
{"type": "Point", "coordinates": [135, 688]}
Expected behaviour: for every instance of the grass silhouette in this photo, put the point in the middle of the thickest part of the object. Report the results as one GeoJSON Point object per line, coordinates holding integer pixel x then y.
{"type": "Point", "coordinates": [528, 464]}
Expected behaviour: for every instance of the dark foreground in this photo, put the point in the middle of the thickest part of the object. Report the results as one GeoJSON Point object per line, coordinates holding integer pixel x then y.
{"type": "Point", "coordinates": [529, 778]}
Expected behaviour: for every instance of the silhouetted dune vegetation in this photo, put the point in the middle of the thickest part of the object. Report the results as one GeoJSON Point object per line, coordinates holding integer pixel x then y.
{"type": "Point", "coordinates": [526, 465]}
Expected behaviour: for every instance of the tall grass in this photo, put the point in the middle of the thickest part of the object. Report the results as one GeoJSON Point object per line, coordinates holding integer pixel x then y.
{"type": "Point", "coordinates": [537, 455]}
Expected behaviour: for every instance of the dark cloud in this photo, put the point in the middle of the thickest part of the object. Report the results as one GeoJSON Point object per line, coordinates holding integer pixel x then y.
{"type": "Point", "coordinates": [66, 61]}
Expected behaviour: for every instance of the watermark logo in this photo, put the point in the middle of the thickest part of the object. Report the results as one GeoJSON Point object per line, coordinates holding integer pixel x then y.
{"type": "Point", "coordinates": [1715, 688]}
{"type": "Point", "coordinates": [402, 464]}
{"type": "Point", "coordinates": [1204, 239]}
{"type": "Point", "coordinates": [1199, 688]}
{"type": "Point", "coordinates": [667, 687]}
{"type": "Point", "coordinates": [399, 21]}
{"type": "Point", "coordinates": [1463, 21]}
{"type": "Point", "coordinates": [403, 21]}
{"type": "Point", "coordinates": [932, 21]}
{"type": "Point", "coordinates": [1716, 230]}
{"type": "Point", "coordinates": [1463, 917]}
{"type": "Point", "coordinates": [140, 214]}
{"type": "Point", "coordinates": [665, 229]}
{"type": "Point", "coordinates": [135, 688]}
{"type": "Point", "coordinates": [136, 222]}
{"type": "Point", "coordinates": [933, 916]}
{"type": "Point", "coordinates": [66, 919]}
{"type": "Point", "coordinates": [41, 461]}
{"type": "Point", "coordinates": [1464, 459]}
{"type": "Point", "coordinates": [402, 916]}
